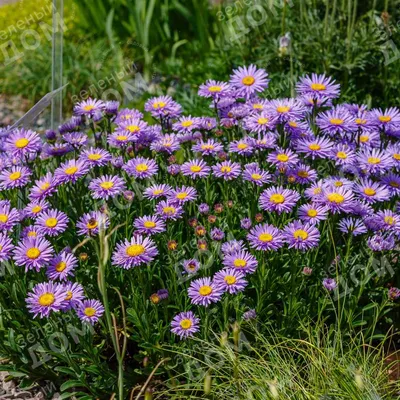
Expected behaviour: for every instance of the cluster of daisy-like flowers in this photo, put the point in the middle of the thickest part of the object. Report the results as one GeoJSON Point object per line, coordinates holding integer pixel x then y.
{"type": "Point", "coordinates": [310, 160]}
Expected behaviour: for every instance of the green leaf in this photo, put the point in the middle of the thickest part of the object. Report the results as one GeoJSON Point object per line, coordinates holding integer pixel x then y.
{"type": "Point", "coordinates": [69, 384]}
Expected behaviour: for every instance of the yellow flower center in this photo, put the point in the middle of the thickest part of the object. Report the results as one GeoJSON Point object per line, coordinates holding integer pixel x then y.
{"type": "Point", "coordinates": [335, 198]}
{"type": "Point", "coordinates": [263, 121]}
{"type": "Point", "coordinates": [158, 191]}
{"type": "Point", "coordinates": [33, 253]}
{"type": "Point", "coordinates": [88, 107]}
{"type": "Point", "coordinates": [283, 109]}
{"type": "Point", "coordinates": [132, 128]}
{"type": "Point", "coordinates": [89, 311]}
{"type": "Point", "coordinates": [135, 250]}
{"type": "Point", "coordinates": [207, 147]}
{"type": "Point", "coordinates": [186, 323]}
{"type": "Point", "coordinates": [70, 170]}
{"type": "Point", "coordinates": [369, 192]}
{"type": "Point", "coordinates": [181, 196]}
{"type": "Point", "coordinates": [14, 176]}
{"type": "Point", "coordinates": [158, 104]}
{"type": "Point", "coordinates": [92, 224]}
{"type": "Point", "coordinates": [318, 86]}
{"type": "Point", "coordinates": [374, 160]}
{"type": "Point", "coordinates": [46, 299]}
{"type": "Point", "coordinates": [394, 184]}
{"type": "Point", "coordinates": [239, 263]}
{"type": "Point", "coordinates": [317, 190]}
{"type": "Point", "coordinates": [300, 234]}
{"type": "Point", "coordinates": [186, 124]}
{"type": "Point", "coordinates": [312, 213]}
{"type": "Point", "coordinates": [336, 121]}
{"type": "Point", "coordinates": [107, 185]}
{"type": "Point", "coordinates": [242, 146]}
{"type": "Point", "coordinates": [230, 279]}
{"type": "Point", "coordinates": [338, 183]}
{"type": "Point", "coordinates": [51, 222]}
{"type": "Point", "coordinates": [364, 138]}
{"type": "Point", "coordinates": [226, 169]}
{"type": "Point", "coordinates": [257, 106]}
{"type": "Point", "coordinates": [149, 224]}
{"type": "Point", "coordinates": [214, 89]}
{"type": "Point", "coordinates": [32, 234]}
{"type": "Point", "coordinates": [36, 209]}
{"type": "Point", "coordinates": [45, 186]}
{"type": "Point", "coordinates": [293, 124]}
{"type": "Point", "coordinates": [122, 138]}
{"type": "Point", "coordinates": [3, 218]}
{"type": "Point", "coordinates": [302, 174]}
{"type": "Point", "coordinates": [265, 237]}
{"type": "Point", "coordinates": [341, 154]}
{"type": "Point", "coordinates": [69, 295]}
{"type": "Point", "coordinates": [169, 210]}
{"type": "Point", "coordinates": [195, 168]}
{"type": "Point", "coordinates": [61, 266]}
{"type": "Point", "coordinates": [385, 118]}
{"type": "Point", "coordinates": [360, 121]}
{"type": "Point", "coordinates": [277, 198]}
{"type": "Point", "coordinates": [21, 143]}
{"type": "Point", "coordinates": [389, 220]}
{"type": "Point", "coordinates": [248, 80]}
{"type": "Point", "coordinates": [396, 156]}
{"type": "Point", "coordinates": [205, 290]}
{"type": "Point", "coordinates": [256, 177]}
{"type": "Point", "coordinates": [142, 167]}
{"type": "Point", "coordinates": [282, 157]}
{"type": "Point", "coordinates": [94, 156]}
{"type": "Point", "coordinates": [314, 146]}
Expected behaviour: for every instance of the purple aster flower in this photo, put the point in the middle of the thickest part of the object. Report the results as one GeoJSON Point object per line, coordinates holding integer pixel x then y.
{"type": "Point", "coordinates": [157, 191]}
{"type": "Point", "coordinates": [338, 181]}
{"type": "Point", "coordinates": [244, 146]}
{"type": "Point", "coordinates": [185, 324]}
{"type": "Point", "coordinates": [163, 107]}
{"type": "Point", "coordinates": [318, 86]}
{"type": "Point", "coordinates": [360, 208]}
{"type": "Point", "coordinates": [232, 246]}
{"type": "Point", "coordinates": [250, 314]}
{"type": "Point", "coordinates": [208, 123]}
{"type": "Point", "coordinates": [62, 266]}
{"type": "Point", "coordinates": [191, 266]}
{"type": "Point", "coordinates": [34, 208]}
{"type": "Point", "coordinates": [374, 161]}
{"type": "Point", "coordinates": [75, 139]}
{"type": "Point", "coordinates": [71, 125]}
{"type": "Point", "coordinates": [336, 199]}
{"type": "Point", "coordinates": [167, 210]}
{"type": "Point", "coordinates": [265, 142]}
{"type": "Point", "coordinates": [210, 147]}
{"type": "Point", "coordinates": [204, 292]}
{"type": "Point", "coordinates": [301, 236]}
{"type": "Point", "coordinates": [241, 260]}
{"type": "Point", "coordinates": [22, 143]}
{"type": "Point", "coordinates": [386, 118]}
{"type": "Point", "coordinates": [57, 149]}
{"type": "Point", "coordinates": [95, 157]}
{"type": "Point", "coordinates": [286, 109]}
{"type": "Point", "coordinates": [283, 158]}
{"type": "Point", "coordinates": [311, 101]}
{"type": "Point", "coordinates": [9, 217]}
{"type": "Point", "coordinates": [302, 174]}
{"type": "Point", "coordinates": [167, 144]}
{"type": "Point", "coordinates": [245, 223]}
{"type": "Point", "coordinates": [352, 225]}
{"type": "Point", "coordinates": [186, 124]}
{"type": "Point", "coordinates": [139, 250]}
{"type": "Point", "coordinates": [33, 253]}
{"type": "Point", "coordinates": [371, 191]}
{"type": "Point", "coordinates": [313, 213]}
{"type": "Point", "coordinates": [43, 187]}
{"type": "Point", "coordinates": [127, 114]}
{"type": "Point", "coordinates": [388, 220]}
{"type": "Point", "coordinates": [230, 280]}
{"type": "Point", "coordinates": [182, 195]}
{"type": "Point", "coordinates": [149, 225]}
{"type": "Point", "coordinates": [249, 80]}
{"type": "Point", "coordinates": [52, 222]}
{"type": "Point", "coordinates": [141, 168]}
{"type": "Point", "coordinates": [73, 295]}
{"type": "Point", "coordinates": [31, 231]}
{"type": "Point", "coordinates": [70, 171]}
{"type": "Point", "coordinates": [318, 147]}
{"type": "Point", "coordinates": [394, 293]}
{"type": "Point", "coordinates": [265, 237]}
{"type": "Point", "coordinates": [120, 139]}
{"type": "Point", "coordinates": [14, 177]}
{"type": "Point", "coordinates": [174, 169]}
{"type": "Point", "coordinates": [382, 242]}
{"type": "Point", "coordinates": [204, 208]}
{"type": "Point", "coordinates": [260, 123]}
{"type": "Point", "coordinates": [6, 247]}
{"type": "Point", "coordinates": [394, 151]}
{"type": "Point", "coordinates": [214, 89]}
{"type": "Point", "coordinates": [195, 169]}
{"type": "Point", "coordinates": [278, 199]}
{"type": "Point", "coordinates": [227, 169]}
{"type": "Point", "coordinates": [217, 234]}
{"type": "Point", "coordinates": [392, 183]}
{"type": "Point", "coordinates": [111, 107]}
{"type": "Point", "coordinates": [107, 186]}
{"type": "Point", "coordinates": [343, 155]}
{"type": "Point", "coordinates": [45, 298]}
{"type": "Point", "coordinates": [90, 311]}
{"type": "Point", "coordinates": [336, 121]}
{"type": "Point", "coordinates": [329, 284]}
{"type": "Point", "coordinates": [89, 107]}
{"type": "Point", "coordinates": [90, 223]}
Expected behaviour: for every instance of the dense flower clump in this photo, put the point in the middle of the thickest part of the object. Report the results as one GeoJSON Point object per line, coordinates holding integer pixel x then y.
{"type": "Point", "coordinates": [313, 169]}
